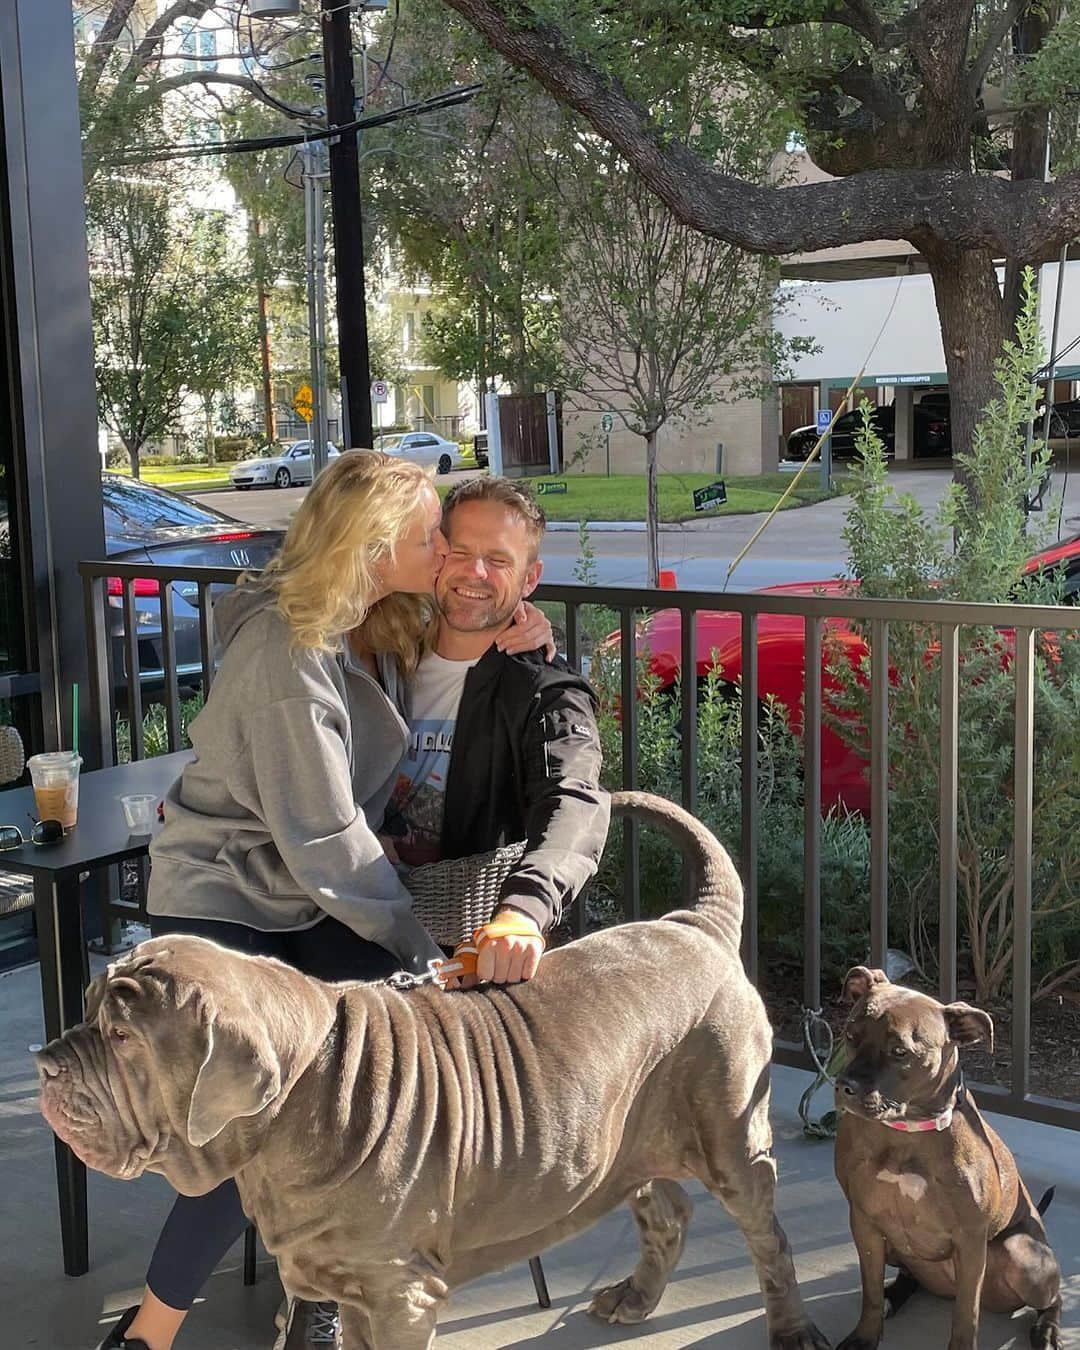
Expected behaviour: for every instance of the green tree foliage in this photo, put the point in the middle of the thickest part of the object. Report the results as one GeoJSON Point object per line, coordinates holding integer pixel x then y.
{"type": "Point", "coordinates": [460, 200]}
{"type": "Point", "coordinates": [914, 109]}
{"type": "Point", "coordinates": [221, 344]}
{"type": "Point", "coordinates": [974, 548]}
{"type": "Point", "coordinates": [661, 323]}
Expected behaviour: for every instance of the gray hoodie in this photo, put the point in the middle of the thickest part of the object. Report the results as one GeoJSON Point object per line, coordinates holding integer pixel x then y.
{"type": "Point", "coordinates": [273, 824]}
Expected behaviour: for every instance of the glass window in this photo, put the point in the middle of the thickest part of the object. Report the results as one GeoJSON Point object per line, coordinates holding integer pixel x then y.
{"type": "Point", "coordinates": [208, 48]}
{"type": "Point", "coordinates": [130, 504]}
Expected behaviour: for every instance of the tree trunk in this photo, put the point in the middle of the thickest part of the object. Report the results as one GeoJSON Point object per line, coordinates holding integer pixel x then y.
{"type": "Point", "coordinates": [1031, 131]}
{"type": "Point", "coordinates": [652, 509]}
{"type": "Point", "coordinates": [208, 419]}
{"type": "Point", "coordinates": [969, 306]}
{"type": "Point", "coordinates": [133, 455]}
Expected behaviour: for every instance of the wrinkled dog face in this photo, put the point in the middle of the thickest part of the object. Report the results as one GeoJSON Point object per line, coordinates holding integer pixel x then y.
{"type": "Point", "coordinates": [160, 1067]}
{"type": "Point", "coordinates": [901, 1046]}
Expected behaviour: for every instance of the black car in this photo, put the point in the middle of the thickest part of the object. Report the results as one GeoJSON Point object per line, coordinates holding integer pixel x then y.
{"type": "Point", "coordinates": [932, 430]}
{"type": "Point", "coordinates": [144, 523]}
{"type": "Point", "coordinates": [1064, 423]}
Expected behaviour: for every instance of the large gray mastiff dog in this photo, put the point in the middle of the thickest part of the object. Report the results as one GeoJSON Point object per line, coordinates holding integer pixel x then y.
{"type": "Point", "coordinates": [392, 1146]}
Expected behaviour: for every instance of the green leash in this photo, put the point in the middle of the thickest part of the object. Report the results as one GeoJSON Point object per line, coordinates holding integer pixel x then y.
{"type": "Point", "coordinates": [829, 1059]}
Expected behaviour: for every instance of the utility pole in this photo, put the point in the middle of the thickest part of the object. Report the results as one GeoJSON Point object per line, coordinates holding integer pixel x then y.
{"type": "Point", "coordinates": [315, 247]}
{"type": "Point", "coordinates": [341, 109]}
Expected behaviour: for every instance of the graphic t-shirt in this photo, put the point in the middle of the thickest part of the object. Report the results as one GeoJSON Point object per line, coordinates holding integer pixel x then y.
{"type": "Point", "coordinates": [414, 815]}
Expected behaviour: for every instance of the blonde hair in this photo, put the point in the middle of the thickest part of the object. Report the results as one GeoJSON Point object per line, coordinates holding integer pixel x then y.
{"type": "Point", "coordinates": [325, 575]}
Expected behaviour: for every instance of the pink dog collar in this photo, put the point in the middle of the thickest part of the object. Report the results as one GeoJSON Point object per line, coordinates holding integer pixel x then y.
{"type": "Point", "coordinates": [934, 1126]}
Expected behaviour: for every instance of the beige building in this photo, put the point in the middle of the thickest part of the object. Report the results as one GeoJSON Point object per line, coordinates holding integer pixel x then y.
{"type": "Point", "coordinates": [425, 400]}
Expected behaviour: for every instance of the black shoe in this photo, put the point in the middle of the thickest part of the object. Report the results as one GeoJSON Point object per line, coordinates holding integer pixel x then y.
{"type": "Point", "coordinates": [116, 1340]}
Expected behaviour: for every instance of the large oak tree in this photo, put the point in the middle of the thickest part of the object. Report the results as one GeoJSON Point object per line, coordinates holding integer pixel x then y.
{"type": "Point", "coordinates": [932, 117]}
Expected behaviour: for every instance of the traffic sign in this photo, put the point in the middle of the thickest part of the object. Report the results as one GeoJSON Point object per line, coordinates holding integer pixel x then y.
{"type": "Point", "coordinates": [824, 420]}
{"type": "Point", "coordinates": [715, 494]}
{"type": "Point", "coordinates": [606, 423]}
{"type": "Point", "coordinates": [380, 391]}
{"type": "Point", "coordinates": [303, 402]}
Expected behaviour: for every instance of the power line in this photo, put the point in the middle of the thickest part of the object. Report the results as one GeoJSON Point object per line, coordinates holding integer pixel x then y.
{"type": "Point", "coordinates": [244, 145]}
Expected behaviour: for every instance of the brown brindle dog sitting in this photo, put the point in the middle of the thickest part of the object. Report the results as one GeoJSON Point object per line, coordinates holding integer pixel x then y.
{"type": "Point", "coordinates": [932, 1189]}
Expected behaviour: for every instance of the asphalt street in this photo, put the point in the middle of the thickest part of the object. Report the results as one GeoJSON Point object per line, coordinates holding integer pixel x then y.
{"type": "Point", "coordinates": [805, 544]}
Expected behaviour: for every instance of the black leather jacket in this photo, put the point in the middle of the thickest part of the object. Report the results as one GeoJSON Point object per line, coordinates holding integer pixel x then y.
{"type": "Point", "coordinates": [525, 764]}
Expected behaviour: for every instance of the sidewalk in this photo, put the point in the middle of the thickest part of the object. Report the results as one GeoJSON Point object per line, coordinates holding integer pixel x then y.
{"type": "Point", "coordinates": [713, 1298]}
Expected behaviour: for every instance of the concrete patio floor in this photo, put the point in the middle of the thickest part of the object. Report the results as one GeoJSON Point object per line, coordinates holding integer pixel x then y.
{"type": "Point", "coordinates": [713, 1298]}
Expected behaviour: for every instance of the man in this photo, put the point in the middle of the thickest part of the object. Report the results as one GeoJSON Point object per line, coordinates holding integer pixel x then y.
{"type": "Point", "coordinates": [503, 748]}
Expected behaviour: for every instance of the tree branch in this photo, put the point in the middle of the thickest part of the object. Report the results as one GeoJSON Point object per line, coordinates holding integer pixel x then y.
{"type": "Point", "coordinates": [209, 78]}
{"type": "Point", "coordinates": [1027, 219]}
{"type": "Point", "coordinates": [104, 44]}
{"type": "Point", "coordinates": [1000, 28]}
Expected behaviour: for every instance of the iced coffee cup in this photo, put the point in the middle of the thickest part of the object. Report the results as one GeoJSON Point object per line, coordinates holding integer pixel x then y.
{"type": "Point", "coordinates": [55, 777]}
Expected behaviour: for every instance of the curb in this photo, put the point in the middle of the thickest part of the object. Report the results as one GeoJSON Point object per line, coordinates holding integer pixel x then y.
{"type": "Point", "coordinates": [600, 526]}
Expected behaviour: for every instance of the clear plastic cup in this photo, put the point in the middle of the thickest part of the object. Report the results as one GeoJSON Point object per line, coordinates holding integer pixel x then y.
{"type": "Point", "coordinates": [55, 776]}
{"type": "Point", "coordinates": [139, 811]}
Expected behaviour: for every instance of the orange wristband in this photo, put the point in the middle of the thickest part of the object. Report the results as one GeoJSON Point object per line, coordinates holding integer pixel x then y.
{"type": "Point", "coordinates": [506, 927]}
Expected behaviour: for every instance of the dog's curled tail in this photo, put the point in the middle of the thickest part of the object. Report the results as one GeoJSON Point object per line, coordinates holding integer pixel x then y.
{"type": "Point", "coordinates": [719, 890]}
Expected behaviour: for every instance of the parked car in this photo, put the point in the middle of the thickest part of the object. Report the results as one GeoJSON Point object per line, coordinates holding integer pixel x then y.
{"type": "Point", "coordinates": [293, 467]}
{"type": "Point", "coordinates": [781, 653]}
{"type": "Point", "coordinates": [422, 447]}
{"type": "Point", "coordinates": [1064, 422]}
{"type": "Point", "coordinates": [144, 523]}
{"type": "Point", "coordinates": [931, 426]}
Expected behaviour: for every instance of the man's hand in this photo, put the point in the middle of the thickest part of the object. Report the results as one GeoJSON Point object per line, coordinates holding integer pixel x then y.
{"type": "Point", "coordinates": [531, 629]}
{"type": "Point", "coordinates": [504, 960]}
{"type": "Point", "coordinates": [509, 960]}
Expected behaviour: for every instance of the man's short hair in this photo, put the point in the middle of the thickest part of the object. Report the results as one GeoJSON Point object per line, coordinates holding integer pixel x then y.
{"type": "Point", "coordinates": [509, 492]}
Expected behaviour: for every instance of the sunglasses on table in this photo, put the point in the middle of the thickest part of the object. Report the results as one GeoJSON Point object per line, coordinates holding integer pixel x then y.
{"type": "Point", "coordinates": [42, 832]}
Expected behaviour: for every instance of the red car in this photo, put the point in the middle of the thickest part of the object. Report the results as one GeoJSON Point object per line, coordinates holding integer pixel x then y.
{"type": "Point", "coordinates": [781, 662]}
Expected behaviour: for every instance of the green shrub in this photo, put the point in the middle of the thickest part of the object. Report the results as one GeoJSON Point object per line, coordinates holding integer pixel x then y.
{"type": "Point", "coordinates": [155, 729]}
{"type": "Point", "coordinates": [230, 449]}
{"type": "Point", "coordinates": [974, 549]}
{"type": "Point", "coordinates": [845, 846]}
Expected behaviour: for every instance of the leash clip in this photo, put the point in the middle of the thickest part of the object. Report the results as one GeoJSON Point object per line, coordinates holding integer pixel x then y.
{"type": "Point", "coordinates": [404, 981]}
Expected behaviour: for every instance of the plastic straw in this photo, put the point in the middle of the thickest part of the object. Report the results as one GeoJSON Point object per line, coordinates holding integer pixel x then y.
{"type": "Point", "coordinates": [75, 717]}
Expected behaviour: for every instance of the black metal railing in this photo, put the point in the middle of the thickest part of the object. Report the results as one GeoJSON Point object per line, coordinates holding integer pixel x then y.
{"type": "Point", "coordinates": [114, 647]}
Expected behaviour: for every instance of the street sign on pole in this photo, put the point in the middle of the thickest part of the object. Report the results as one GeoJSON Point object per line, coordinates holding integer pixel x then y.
{"type": "Point", "coordinates": [607, 422]}
{"type": "Point", "coordinates": [824, 421]}
{"type": "Point", "coordinates": [303, 402]}
{"type": "Point", "coordinates": [380, 391]}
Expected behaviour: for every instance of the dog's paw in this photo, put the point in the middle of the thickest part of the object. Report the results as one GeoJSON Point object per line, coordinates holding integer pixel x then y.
{"type": "Point", "coordinates": [808, 1337]}
{"type": "Point", "coordinates": [1045, 1336]}
{"type": "Point", "coordinates": [622, 1303]}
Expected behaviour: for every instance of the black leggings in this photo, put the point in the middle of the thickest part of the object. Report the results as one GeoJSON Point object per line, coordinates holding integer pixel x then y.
{"type": "Point", "coordinates": [201, 1229]}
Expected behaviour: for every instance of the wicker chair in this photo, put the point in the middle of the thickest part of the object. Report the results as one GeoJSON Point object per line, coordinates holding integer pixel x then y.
{"type": "Point", "coordinates": [454, 897]}
{"type": "Point", "coordinates": [16, 892]}
{"type": "Point", "coordinates": [451, 899]}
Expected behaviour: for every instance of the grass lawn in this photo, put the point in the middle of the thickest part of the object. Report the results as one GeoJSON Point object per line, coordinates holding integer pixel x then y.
{"type": "Point", "coordinates": [622, 496]}
{"type": "Point", "coordinates": [587, 496]}
{"type": "Point", "coordinates": [181, 476]}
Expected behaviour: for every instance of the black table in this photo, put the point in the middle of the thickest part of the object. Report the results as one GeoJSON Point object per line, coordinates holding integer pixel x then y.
{"type": "Point", "coordinates": [100, 838]}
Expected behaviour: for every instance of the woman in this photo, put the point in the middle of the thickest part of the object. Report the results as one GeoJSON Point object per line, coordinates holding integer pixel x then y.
{"type": "Point", "coordinates": [269, 844]}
